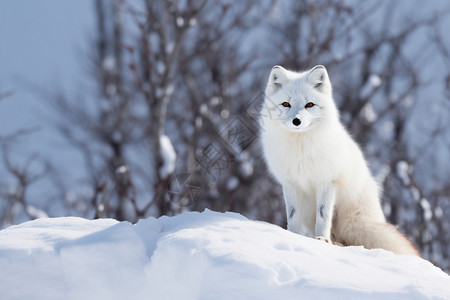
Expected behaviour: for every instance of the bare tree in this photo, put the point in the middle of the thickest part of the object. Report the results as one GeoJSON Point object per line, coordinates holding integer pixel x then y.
{"type": "Point", "coordinates": [174, 53]}
{"type": "Point", "coordinates": [17, 178]}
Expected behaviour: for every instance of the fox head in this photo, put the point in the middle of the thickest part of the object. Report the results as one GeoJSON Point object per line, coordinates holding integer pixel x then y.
{"type": "Point", "coordinates": [299, 102]}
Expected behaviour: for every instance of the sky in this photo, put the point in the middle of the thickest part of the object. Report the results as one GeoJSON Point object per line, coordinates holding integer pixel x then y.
{"type": "Point", "coordinates": [41, 46]}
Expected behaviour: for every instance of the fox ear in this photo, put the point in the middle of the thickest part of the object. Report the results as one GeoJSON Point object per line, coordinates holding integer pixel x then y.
{"type": "Point", "coordinates": [277, 79]}
{"type": "Point", "coordinates": [318, 78]}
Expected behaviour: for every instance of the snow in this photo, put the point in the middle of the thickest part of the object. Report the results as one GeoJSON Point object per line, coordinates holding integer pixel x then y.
{"type": "Point", "coordinates": [109, 64]}
{"type": "Point", "coordinates": [192, 22]}
{"type": "Point", "coordinates": [169, 157]}
{"type": "Point", "coordinates": [205, 255]}
{"type": "Point", "coordinates": [438, 212]}
{"type": "Point", "coordinates": [35, 212]}
{"type": "Point", "coordinates": [180, 22]}
{"type": "Point", "coordinates": [224, 113]}
{"type": "Point", "coordinates": [232, 183]}
{"type": "Point", "coordinates": [403, 171]}
{"type": "Point", "coordinates": [371, 85]}
{"type": "Point", "coordinates": [375, 80]}
{"type": "Point", "coordinates": [369, 113]}
{"type": "Point", "coordinates": [427, 212]}
{"type": "Point", "coordinates": [203, 109]}
{"type": "Point", "coordinates": [122, 170]}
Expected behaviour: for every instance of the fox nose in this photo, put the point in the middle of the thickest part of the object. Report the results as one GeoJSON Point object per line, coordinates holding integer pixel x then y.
{"type": "Point", "coordinates": [296, 121]}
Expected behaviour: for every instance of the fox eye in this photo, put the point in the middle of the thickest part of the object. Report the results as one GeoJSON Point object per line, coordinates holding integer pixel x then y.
{"type": "Point", "coordinates": [286, 104]}
{"type": "Point", "coordinates": [309, 104]}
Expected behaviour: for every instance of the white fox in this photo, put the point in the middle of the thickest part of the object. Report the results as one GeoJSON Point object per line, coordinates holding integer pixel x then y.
{"type": "Point", "coordinates": [329, 191]}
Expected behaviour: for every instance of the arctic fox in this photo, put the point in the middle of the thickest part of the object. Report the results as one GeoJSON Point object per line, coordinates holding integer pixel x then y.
{"type": "Point", "coordinates": [329, 191]}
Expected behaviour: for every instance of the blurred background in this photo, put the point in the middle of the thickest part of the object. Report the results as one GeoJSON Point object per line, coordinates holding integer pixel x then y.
{"type": "Point", "coordinates": [130, 109]}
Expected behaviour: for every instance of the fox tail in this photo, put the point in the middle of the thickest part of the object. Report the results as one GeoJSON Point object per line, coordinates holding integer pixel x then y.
{"type": "Point", "coordinates": [373, 235]}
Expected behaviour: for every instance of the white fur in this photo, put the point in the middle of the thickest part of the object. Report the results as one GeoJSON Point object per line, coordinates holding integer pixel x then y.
{"type": "Point", "coordinates": [328, 189]}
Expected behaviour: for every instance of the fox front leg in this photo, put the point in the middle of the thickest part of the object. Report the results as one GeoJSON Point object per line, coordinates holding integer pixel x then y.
{"type": "Point", "coordinates": [291, 208]}
{"type": "Point", "coordinates": [326, 198]}
{"type": "Point", "coordinates": [295, 219]}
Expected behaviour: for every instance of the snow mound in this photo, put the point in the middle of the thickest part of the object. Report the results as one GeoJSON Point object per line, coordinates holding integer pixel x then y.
{"type": "Point", "coordinates": [205, 255]}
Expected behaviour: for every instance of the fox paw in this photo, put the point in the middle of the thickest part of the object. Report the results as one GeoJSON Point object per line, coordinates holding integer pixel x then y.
{"type": "Point", "coordinates": [328, 241]}
{"type": "Point", "coordinates": [321, 238]}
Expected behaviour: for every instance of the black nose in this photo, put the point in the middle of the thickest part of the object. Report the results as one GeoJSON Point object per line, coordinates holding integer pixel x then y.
{"type": "Point", "coordinates": [296, 122]}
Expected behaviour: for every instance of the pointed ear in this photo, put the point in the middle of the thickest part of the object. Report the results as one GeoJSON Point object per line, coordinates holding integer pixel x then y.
{"type": "Point", "coordinates": [277, 79]}
{"type": "Point", "coordinates": [318, 78]}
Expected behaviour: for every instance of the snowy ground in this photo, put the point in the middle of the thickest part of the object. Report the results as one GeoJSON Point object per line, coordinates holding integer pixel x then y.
{"type": "Point", "coordinates": [199, 256]}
